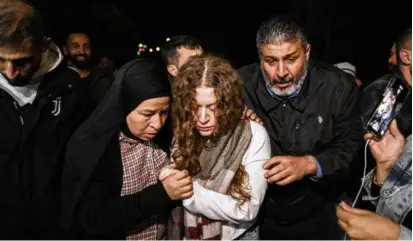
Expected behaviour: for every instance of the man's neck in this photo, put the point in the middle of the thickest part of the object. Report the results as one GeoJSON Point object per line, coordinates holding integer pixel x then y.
{"type": "Point", "coordinates": [82, 72]}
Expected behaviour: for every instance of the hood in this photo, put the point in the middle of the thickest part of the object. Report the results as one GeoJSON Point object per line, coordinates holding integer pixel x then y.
{"type": "Point", "coordinates": [51, 58]}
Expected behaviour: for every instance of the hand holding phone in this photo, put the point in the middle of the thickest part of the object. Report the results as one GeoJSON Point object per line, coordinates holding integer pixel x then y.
{"type": "Point", "coordinates": [392, 100]}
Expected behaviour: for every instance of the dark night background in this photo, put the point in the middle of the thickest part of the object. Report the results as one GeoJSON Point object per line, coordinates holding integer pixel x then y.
{"type": "Point", "coordinates": [338, 30]}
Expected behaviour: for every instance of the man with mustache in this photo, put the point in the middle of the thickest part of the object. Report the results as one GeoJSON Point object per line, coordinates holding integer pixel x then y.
{"type": "Point", "coordinates": [311, 113]}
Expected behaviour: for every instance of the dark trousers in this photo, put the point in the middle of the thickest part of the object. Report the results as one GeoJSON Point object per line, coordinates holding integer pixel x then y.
{"type": "Point", "coordinates": [320, 226]}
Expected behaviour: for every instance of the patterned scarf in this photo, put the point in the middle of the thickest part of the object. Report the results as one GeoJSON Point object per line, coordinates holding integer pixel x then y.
{"type": "Point", "coordinates": [219, 164]}
{"type": "Point", "coordinates": [141, 166]}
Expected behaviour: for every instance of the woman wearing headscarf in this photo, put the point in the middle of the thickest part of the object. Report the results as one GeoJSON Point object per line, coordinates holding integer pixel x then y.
{"type": "Point", "coordinates": [223, 152]}
{"type": "Point", "coordinates": [110, 181]}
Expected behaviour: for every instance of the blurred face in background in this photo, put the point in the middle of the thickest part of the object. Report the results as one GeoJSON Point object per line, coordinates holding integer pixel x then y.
{"type": "Point", "coordinates": [78, 50]}
{"type": "Point", "coordinates": [183, 54]}
{"type": "Point", "coordinates": [392, 57]}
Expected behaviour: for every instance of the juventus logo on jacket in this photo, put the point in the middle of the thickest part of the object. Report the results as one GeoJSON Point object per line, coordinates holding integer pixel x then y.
{"type": "Point", "coordinates": [57, 106]}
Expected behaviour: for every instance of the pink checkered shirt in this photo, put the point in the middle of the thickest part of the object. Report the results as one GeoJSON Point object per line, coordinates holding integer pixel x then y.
{"type": "Point", "coordinates": [142, 163]}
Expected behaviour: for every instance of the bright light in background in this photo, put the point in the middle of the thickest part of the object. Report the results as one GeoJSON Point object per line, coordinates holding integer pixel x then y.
{"type": "Point", "coordinates": [158, 49]}
{"type": "Point", "coordinates": [145, 46]}
{"type": "Point", "coordinates": [140, 45]}
{"type": "Point", "coordinates": [151, 50]}
{"type": "Point", "coordinates": [168, 39]}
{"type": "Point", "coordinates": [138, 53]}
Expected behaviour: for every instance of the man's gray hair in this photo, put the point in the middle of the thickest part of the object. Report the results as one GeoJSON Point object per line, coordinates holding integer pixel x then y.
{"type": "Point", "coordinates": [278, 30]}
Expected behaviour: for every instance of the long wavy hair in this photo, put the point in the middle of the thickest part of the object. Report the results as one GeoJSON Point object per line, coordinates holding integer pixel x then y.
{"type": "Point", "coordinates": [215, 72]}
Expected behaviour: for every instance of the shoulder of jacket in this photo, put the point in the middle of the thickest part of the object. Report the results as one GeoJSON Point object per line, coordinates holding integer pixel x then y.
{"type": "Point", "coordinates": [332, 76]}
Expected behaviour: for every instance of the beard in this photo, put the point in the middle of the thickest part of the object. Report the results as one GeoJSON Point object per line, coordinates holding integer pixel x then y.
{"type": "Point", "coordinates": [22, 80]}
{"type": "Point", "coordinates": [80, 64]}
{"type": "Point", "coordinates": [285, 92]}
{"type": "Point", "coordinates": [19, 81]}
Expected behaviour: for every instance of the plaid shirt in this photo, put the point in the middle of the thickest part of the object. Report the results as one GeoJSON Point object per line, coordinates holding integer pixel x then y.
{"type": "Point", "coordinates": [142, 163]}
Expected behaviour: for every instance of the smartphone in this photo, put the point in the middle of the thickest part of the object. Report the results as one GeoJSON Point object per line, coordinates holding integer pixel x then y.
{"type": "Point", "coordinates": [391, 102]}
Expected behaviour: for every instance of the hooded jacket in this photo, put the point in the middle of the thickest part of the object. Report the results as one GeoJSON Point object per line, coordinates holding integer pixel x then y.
{"type": "Point", "coordinates": [36, 121]}
{"type": "Point", "coordinates": [94, 154]}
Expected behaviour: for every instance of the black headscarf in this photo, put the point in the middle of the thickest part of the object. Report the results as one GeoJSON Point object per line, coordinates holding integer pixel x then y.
{"type": "Point", "coordinates": [135, 82]}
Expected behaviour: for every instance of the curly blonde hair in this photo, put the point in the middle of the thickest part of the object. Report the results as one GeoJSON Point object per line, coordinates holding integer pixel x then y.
{"type": "Point", "coordinates": [215, 72]}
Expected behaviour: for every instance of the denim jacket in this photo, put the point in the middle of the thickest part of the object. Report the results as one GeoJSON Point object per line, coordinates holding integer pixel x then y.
{"type": "Point", "coordinates": [395, 200]}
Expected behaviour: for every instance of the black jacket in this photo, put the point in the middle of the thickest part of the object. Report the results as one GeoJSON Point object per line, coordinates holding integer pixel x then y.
{"type": "Point", "coordinates": [323, 121]}
{"type": "Point", "coordinates": [32, 145]}
{"type": "Point", "coordinates": [97, 83]}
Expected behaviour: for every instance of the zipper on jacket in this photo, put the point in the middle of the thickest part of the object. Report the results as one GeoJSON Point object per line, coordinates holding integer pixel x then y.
{"type": "Point", "coordinates": [16, 107]}
{"type": "Point", "coordinates": [21, 120]}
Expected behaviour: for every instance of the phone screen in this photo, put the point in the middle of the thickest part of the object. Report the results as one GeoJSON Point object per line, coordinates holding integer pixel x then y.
{"type": "Point", "coordinates": [393, 97]}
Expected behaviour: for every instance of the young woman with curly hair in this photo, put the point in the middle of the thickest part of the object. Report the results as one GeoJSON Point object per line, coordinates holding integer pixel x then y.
{"type": "Point", "coordinates": [222, 151]}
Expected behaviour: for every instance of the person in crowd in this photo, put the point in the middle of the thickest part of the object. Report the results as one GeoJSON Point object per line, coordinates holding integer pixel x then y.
{"type": "Point", "coordinates": [106, 65]}
{"type": "Point", "coordinates": [389, 185]}
{"type": "Point", "coordinates": [392, 61]}
{"type": "Point", "coordinates": [389, 188]}
{"type": "Point", "coordinates": [78, 51]}
{"type": "Point", "coordinates": [350, 69]}
{"type": "Point", "coordinates": [178, 50]}
{"type": "Point", "coordinates": [223, 152]}
{"type": "Point", "coordinates": [311, 112]}
{"type": "Point", "coordinates": [403, 70]}
{"type": "Point", "coordinates": [41, 106]}
{"type": "Point", "coordinates": [97, 78]}
{"type": "Point", "coordinates": [404, 55]}
{"type": "Point", "coordinates": [110, 180]}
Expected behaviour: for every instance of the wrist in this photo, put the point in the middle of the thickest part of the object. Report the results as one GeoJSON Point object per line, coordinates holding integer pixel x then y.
{"type": "Point", "coordinates": [381, 175]}
{"type": "Point", "coordinates": [394, 232]}
{"type": "Point", "coordinates": [311, 165]}
{"type": "Point", "coordinates": [387, 163]}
